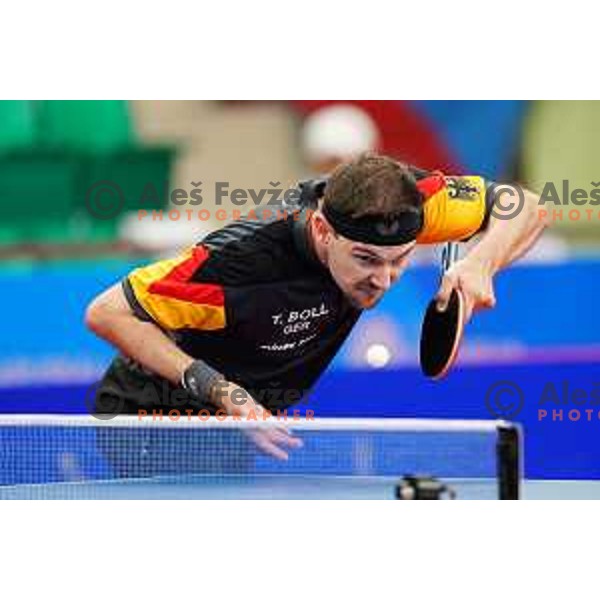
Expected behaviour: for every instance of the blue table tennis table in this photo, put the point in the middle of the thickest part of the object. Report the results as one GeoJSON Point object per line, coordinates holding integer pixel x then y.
{"type": "Point", "coordinates": [281, 487]}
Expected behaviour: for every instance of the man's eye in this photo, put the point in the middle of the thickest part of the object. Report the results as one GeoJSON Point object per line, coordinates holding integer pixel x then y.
{"type": "Point", "coordinates": [367, 260]}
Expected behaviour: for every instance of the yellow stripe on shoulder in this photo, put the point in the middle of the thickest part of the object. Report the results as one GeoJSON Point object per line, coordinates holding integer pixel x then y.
{"type": "Point", "coordinates": [184, 306]}
{"type": "Point", "coordinates": [454, 212]}
{"type": "Point", "coordinates": [172, 313]}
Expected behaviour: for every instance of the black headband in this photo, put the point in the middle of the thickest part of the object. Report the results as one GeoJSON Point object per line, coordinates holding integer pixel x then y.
{"type": "Point", "coordinates": [378, 230]}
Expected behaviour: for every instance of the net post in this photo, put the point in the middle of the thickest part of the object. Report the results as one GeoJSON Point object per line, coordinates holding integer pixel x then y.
{"type": "Point", "coordinates": [508, 457]}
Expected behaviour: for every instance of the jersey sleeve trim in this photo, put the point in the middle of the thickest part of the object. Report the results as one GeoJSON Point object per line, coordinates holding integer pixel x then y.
{"type": "Point", "coordinates": [167, 292]}
{"type": "Point", "coordinates": [454, 207]}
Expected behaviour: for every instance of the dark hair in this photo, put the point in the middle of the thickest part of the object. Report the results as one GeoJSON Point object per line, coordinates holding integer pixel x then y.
{"type": "Point", "coordinates": [372, 185]}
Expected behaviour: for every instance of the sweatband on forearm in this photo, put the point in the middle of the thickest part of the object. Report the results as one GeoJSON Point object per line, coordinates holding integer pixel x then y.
{"type": "Point", "coordinates": [199, 379]}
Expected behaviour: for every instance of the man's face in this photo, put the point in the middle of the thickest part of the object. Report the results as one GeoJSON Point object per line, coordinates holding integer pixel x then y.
{"type": "Point", "coordinates": [365, 272]}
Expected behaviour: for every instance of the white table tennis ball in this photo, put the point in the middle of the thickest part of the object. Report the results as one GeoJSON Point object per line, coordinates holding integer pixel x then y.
{"type": "Point", "coordinates": [378, 355]}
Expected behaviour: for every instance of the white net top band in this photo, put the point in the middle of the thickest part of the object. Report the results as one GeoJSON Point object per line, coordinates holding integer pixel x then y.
{"type": "Point", "coordinates": [320, 424]}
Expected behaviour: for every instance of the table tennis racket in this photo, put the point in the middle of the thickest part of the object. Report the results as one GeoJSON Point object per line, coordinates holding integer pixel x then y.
{"type": "Point", "coordinates": [441, 332]}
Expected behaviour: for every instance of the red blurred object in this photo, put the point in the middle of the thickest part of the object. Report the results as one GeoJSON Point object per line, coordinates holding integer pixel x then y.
{"type": "Point", "coordinates": [405, 135]}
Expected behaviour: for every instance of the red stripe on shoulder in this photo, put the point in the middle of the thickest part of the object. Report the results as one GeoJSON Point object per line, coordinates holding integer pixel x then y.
{"type": "Point", "coordinates": [432, 184]}
{"type": "Point", "coordinates": [176, 283]}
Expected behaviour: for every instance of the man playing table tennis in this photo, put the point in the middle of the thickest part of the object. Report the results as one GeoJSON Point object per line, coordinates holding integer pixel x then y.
{"type": "Point", "coordinates": [247, 320]}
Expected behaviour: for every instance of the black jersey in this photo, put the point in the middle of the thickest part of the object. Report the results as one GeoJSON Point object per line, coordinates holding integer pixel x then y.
{"type": "Point", "coordinates": [252, 301]}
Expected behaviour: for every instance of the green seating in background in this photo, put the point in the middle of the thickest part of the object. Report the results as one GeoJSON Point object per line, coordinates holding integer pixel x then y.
{"type": "Point", "coordinates": [37, 193]}
{"type": "Point", "coordinates": [17, 125]}
{"type": "Point", "coordinates": [54, 152]}
{"type": "Point", "coordinates": [94, 126]}
{"type": "Point", "coordinates": [131, 171]}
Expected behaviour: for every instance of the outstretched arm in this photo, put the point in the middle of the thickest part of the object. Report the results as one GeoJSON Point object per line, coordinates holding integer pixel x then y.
{"type": "Point", "coordinates": [110, 317]}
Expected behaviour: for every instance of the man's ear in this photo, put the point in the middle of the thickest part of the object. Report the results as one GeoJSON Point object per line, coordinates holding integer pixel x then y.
{"type": "Point", "coordinates": [322, 228]}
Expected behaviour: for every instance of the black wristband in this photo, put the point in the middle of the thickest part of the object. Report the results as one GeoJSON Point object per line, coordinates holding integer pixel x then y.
{"type": "Point", "coordinates": [199, 379]}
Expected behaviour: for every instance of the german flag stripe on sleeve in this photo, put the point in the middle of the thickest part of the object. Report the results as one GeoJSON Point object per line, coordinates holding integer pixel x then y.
{"type": "Point", "coordinates": [454, 207]}
{"type": "Point", "coordinates": [165, 291]}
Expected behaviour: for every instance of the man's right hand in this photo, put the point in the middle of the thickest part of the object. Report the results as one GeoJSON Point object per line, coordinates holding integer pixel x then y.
{"type": "Point", "coordinates": [273, 439]}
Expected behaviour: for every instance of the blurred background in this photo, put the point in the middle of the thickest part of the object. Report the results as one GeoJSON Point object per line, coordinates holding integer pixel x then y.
{"type": "Point", "coordinates": [57, 250]}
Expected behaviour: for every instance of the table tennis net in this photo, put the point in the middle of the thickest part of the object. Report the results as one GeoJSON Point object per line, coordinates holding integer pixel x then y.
{"type": "Point", "coordinates": [37, 450]}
